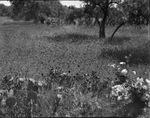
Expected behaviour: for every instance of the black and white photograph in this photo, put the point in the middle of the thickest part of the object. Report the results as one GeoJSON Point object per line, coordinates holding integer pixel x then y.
{"type": "Point", "coordinates": [74, 58]}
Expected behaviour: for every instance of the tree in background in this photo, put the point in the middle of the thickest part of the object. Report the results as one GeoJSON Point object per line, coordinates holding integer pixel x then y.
{"type": "Point", "coordinates": [73, 13]}
{"type": "Point", "coordinates": [120, 11]}
{"type": "Point", "coordinates": [36, 10]}
{"type": "Point", "coordinates": [100, 9]}
{"type": "Point", "coordinates": [138, 11]}
{"type": "Point", "coordinates": [5, 10]}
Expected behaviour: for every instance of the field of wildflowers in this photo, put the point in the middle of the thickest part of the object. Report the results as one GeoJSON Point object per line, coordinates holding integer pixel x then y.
{"type": "Point", "coordinates": [67, 72]}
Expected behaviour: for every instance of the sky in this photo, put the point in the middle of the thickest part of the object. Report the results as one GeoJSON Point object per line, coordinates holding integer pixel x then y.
{"type": "Point", "coordinates": [75, 3]}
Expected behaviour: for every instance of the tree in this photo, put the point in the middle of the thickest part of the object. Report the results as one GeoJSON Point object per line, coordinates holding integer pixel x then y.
{"type": "Point", "coordinates": [73, 13]}
{"type": "Point", "coordinates": [100, 8]}
{"type": "Point", "coordinates": [138, 11]}
{"type": "Point", "coordinates": [36, 10]}
{"type": "Point", "coordinates": [5, 10]}
{"type": "Point", "coordinates": [126, 10]}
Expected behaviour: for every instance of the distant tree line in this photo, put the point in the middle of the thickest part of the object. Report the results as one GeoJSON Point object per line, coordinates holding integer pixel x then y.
{"type": "Point", "coordinates": [94, 12]}
{"type": "Point", "coordinates": [5, 10]}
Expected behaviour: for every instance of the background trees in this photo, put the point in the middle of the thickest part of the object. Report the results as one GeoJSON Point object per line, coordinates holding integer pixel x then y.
{"type": "Point", "coordinates": [33, 10]}
{"type": "Point", "coordinates": [106, 12]}
{"type": "Point", "coordinates": [5, 10]}
{"type": "Point", "coordinates": [138, 11]}
{"type": "Point", "coordinates": [118, 12]}
{"type": "Point", "coordinates": [100, 9]}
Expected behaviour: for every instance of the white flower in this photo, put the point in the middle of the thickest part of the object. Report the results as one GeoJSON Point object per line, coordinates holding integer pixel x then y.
{"type": "Point", "coordinates": [138, 84]}
{"type": "Point", "coordinates": [12, 78]}
{"type": "Point", "coordinates": [60, 87]}
{"type": "Point", "coordinates": [112, 65]}
{"type": "Point", "coordinates": [122, 63]}
{"type": "Point", "coordinates": [40, 83]}
{"type": "Point", "coordinates": [140, 79]}
{"type": "Point", "coordinates": [147, 96]}
{"type": "Point", "coordinates": [126, 57]}
{"type": "Point", "coordinates": [10, 93]}
{"type": "Point", "coordinates": [59, 96]}
{"type": "Point", "coordinates": [32, 80]}
{"type": "Point", "coordinates": [116, 89]}
{"type": "Point", "coordinates": [67, 115]}
{"type": "Point", "coordinates": [148, 81]}
{"type": "Point", "coordinates": [64, 73]}
{"type": "Point", "coordinates": [22, 79]}
{"type": "Point", "coordinates": [134, 72]}
{"type": "Point", "coordinates": [145, 87]}
{"type": "Point", "coordinates": [126, 97]}
{"type": "Point", "coordinates": [119, 98]}
{"type": "Point", "coordinates": [124, 71]}
{"type": "Point", "coordinates": [3, 102]}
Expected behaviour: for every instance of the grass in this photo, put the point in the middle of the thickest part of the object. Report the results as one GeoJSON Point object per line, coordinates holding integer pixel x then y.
{"type": "Point", "coordinates": [32, 50]}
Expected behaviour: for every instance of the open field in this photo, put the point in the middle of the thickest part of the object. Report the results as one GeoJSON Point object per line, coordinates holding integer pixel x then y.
{"type": "Point", "coordinates": [76, 49]}
{"type": "Point", "coordinates": [32, 50]}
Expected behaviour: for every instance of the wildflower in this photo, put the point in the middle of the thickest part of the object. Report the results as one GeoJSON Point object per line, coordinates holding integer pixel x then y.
{"type": "Point", "coordinates": [3, 102]}
{"type": "Point", "coordinates": [116, 89]}
{"type": "Point", "coordinates": [10, 93]}
{"type": "Point", "coordinates": [147, 96]}
{"type": "Point", "coordinates": [64, 73]}
{"type": "Point", "coordinates": [114, 92]}
{"type": "Point", "coordinates": [119, 69]}
{"type": "Point", "coordinates": [59, 96]}
{"type": "Point", "coordinates": [67, 115]}
{"type": "Point", "coordinates": [124, 71]}
{"type": "Point", "coordinates": [140, 79]}
{"type": "Point", "coordinates": [138, 85]}
{"type": "Point", "coordinates": [126, 57]}
{"type": "Point", "coordinates": [22, 79]}
{"type": "Point", "coordinates": [12, 78]}
{"type": "Point", "coordinates": [134, 72]}
{"type": "Point", "coordinates": [148, 81]}
{"type": "Point", "coordinates": [145, 87]}
{"type": "Point", "coordinates": [112, 65]}
{"type": "Point", "coordinates": [122, 63]}
{"type": "Point", "coordinates": [119, 98]}
{"type": "Point", "coordinates": [126, 97]}
{"type": "Point", "coordinates": [40, 83]}
{"type": "Point", "coordinates": [133, 84]}
{"type": "Point", "coordinates": [32, 80]}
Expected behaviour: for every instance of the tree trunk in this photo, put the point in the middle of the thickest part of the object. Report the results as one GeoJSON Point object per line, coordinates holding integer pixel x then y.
{"type": "Point", "coordinates": [116, 30]}
{"type": "Point", "coordinates": [103, 22]}
{"type": "Point", "coordinates": [102, 31]}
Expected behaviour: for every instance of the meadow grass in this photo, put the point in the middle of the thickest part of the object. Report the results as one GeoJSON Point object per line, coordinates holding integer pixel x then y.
{"type": "Point", "coordinates": [32, 50]}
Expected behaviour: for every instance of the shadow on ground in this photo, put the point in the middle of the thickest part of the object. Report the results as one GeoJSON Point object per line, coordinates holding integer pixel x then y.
{"type": "Point", "coordinates": [72, 38]}
{"type": "Point", "coordinates": [139, 54]}
{"type": "Point", "coordinates": [118, 40]}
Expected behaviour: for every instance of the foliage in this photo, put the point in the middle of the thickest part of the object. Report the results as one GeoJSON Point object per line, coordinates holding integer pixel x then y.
{"type": "Point", "coordinates": [73, 13]}
{"type": "Point", "coordinates": [4, 10]}
{"type": "Point", "coordinates": [68, 95]}
{"type": "Point", "coordinates": [129, 89]}
{"type": "Point", "coordinates": [31, 9]}
{"type": "Point", "coordinates": [33, 48]}
{"type": "Point", "coordinates": [138, 11]}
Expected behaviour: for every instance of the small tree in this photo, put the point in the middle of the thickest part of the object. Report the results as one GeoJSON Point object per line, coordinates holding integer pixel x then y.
{"type": "Point", "coordinates": [101, 9]}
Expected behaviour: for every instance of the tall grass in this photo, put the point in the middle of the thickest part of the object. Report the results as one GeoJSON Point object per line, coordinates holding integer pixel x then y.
{"type": "Point", "coordinates": [32, 50]}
